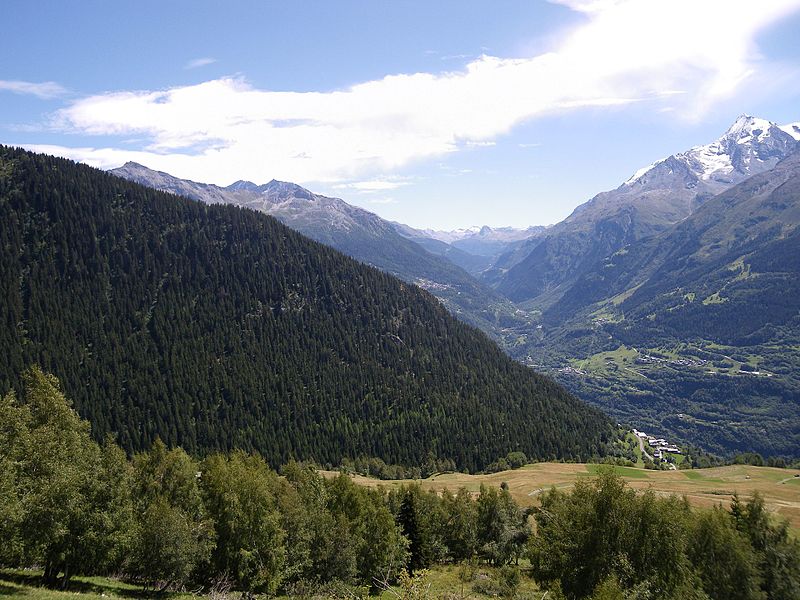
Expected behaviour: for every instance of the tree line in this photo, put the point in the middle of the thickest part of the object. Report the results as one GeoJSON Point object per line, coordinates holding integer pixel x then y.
{"type": "Point", "coordinates": [164, 519]}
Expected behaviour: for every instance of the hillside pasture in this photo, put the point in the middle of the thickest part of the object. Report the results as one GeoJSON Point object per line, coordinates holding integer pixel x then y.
{"type": "Point", "coordinates": [702, 487]}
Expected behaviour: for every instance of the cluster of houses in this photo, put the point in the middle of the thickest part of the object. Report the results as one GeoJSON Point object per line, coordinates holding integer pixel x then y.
{"type": "Point", "coordinates": [676, 362]}
{"type": "Point", "coordinates": [660, 446]}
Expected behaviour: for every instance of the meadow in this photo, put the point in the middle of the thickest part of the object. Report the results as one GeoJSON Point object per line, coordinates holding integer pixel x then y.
{"type": "Point", "coordinates": [780, 488]}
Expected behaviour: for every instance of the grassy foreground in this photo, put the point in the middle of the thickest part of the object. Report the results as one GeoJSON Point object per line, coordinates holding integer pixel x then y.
{"type": "Point", "coordinates": [442, 581]}
{"type": "Point", "coordinates": [703, 487]}
{"type": "Point", "coordinates": [27, 584]}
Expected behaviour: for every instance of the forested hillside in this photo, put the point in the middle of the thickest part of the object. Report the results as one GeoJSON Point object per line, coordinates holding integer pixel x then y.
{"type": "Point", "coordinates": [215, 327]}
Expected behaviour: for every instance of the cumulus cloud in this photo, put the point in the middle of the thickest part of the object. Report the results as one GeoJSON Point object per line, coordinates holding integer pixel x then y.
{"type": "Point", "coordinates": [682, 54]}
{"type": "Point", "coordinates": [44, 90]}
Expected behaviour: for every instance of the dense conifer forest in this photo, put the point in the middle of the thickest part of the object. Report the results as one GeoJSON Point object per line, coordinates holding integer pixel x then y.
{"type": "Point", "coordinates": [217, 328]}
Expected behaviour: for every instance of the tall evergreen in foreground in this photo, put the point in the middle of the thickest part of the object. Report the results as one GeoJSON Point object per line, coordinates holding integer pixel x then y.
{"type": "Point", "coordinates": [215, 328]}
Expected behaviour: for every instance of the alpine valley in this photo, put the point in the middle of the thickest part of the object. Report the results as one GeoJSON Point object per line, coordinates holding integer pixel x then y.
{"type": "Point", "coordinates": [671, 302]}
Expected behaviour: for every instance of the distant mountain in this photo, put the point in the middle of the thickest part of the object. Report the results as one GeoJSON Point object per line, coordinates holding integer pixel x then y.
{"type": "Point", "coordinates": [472, 263]}
{"type": "Point", "coordinates": [352, 230]}
{"type": "Point", "coordinates": [696, 330]}
{"type": "Point", "coordinates": [484, 234]}
{"type": "Point", "coordinates": [215, 328]}
{"type": "Point", "coordinates": [653, 199]}
{"type": "Point", "coordinates": [475, 249]}
{"type": "Point", "coordinates": [487, 241]}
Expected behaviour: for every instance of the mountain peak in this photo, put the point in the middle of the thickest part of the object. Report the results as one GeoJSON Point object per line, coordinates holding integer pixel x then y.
{"type": "Point", "coordinates": [284, 189]}
{"type": "Point", "coordinates": [133, 165]}
{"type": "Point", "coordinates": [751, 144]}
{"type": "Point", "coordinates": [747, 127]}
{"type": "Point", "coordinates": [242, 185]}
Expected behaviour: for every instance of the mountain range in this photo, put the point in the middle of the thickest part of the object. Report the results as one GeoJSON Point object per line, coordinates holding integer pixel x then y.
{"type": "Point", "coordinates": [696, 329]}
{"type": "Point", "coordinates": [475, 249]}
{"type": "Point", "coordinates": [688, 327]}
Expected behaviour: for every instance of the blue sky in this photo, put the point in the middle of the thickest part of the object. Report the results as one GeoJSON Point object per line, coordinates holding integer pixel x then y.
{"type": "Point", "coordinates": [436, 114]}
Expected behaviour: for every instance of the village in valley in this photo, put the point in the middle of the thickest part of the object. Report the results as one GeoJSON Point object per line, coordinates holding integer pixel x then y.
{"type": "Point", "coordinates": [663, 452]}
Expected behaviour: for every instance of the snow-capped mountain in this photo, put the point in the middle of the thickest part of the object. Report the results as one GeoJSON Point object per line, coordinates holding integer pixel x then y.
{"type": "Point", "coordinates": [451, 236]}
{"type": "Point", "coordinates": [486, 233]}
{"type": "Point", "coordinates": [473, 248]}
{"type": "Point", "coordinates": [751, 145]}
{"type": "Point", "coordinates": [653, 199]}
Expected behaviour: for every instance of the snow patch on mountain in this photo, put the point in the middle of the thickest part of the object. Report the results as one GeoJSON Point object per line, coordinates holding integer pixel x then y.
{"type": "Point", "coordinates": [640, 172]}
{"type": "Point", "coordinates": [793, 129]}
{"type": "Point", "coordinates": [453, 235]}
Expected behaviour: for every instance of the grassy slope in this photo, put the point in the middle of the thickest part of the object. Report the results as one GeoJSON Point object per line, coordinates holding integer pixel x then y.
{"type": "Point", "coordinates": [703, 488]}
{"type": "Point", "coordinates": [25, 584]}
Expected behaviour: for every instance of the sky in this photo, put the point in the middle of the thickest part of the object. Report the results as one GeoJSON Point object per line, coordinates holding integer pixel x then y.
{"type": "Point", "coordinates": [441, 115]}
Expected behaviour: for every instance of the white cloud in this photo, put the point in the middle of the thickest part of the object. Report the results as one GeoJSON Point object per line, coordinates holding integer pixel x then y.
{"type": "Point", "coordinates": [374, 185]}
{"type": "Point", "coordinates": [199, 62]}
{"type": "Point", "coordinates": [457, 56]}
{"type": "Point", "coordinates": [44, 90]}
{"type": "Point", "coordinates": [626, 51]}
